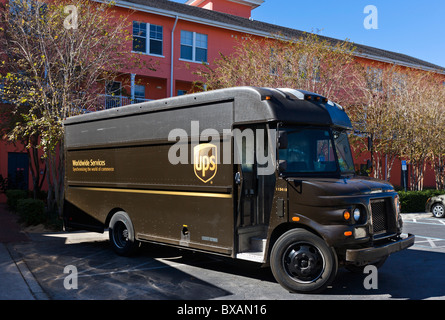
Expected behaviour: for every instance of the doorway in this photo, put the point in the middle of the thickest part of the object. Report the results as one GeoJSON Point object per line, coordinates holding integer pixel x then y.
{"type": "Point", "coordinates": [18, 170]}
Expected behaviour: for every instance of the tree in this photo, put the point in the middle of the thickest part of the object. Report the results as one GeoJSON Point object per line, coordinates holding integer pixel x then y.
{"type": "Point", "coordinates": [437, 127]}
{"type": "Point", "coordinates": [56, 58]}
{"type": "Point", "coordinates": [378, 114]}
{"type": "Point", "coordinates": [309, 63]}
{"type": "Point", "coordinates": [424, 127]}
{"type": "Point", "coordinates": [402, 110]}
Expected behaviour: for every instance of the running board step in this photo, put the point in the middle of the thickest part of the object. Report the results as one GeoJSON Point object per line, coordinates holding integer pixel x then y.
{"type": "Point", "coordinates": [256, 252]}
{"type": "Point", "coordinates": [251, 256]}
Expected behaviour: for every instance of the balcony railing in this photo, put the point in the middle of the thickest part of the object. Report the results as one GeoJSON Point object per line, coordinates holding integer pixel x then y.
{"type": "Point", "coordinates": [112, 101]}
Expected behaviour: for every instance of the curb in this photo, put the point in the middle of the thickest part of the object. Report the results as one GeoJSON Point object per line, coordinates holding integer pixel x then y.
{"type": "Point", "coordinates": [33, 285]}
{"type": "Point", "coordinates": [417, 215]}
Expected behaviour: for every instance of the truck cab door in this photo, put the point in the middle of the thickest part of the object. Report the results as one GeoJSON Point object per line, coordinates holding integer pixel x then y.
{"type": "Point", "coordinates": [255, 173]}
{"type": "Point", "coordinates": [254, 188]}
{"type": "Point", "coordinates": [247, 195]}
{"type": "Point", "coordinates": [245, 176]}
{"type": "Point", "coordinates": [255, 191]}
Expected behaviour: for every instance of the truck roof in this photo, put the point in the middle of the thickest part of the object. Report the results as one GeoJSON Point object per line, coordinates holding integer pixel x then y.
{"type": "Point", "coordinates": [218, 110]}
{"type": "Point", "coordinates": [252, 104]}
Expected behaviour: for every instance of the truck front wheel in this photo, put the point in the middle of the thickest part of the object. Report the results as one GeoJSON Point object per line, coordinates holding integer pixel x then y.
{"type": "Point", "coordinates": [303, 262]}
{"type": "Point", "coordinates": [121, 233]}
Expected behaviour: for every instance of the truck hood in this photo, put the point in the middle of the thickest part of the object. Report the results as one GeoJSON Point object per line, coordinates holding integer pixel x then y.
{"type": "Point", "coordinates": [311, 191]}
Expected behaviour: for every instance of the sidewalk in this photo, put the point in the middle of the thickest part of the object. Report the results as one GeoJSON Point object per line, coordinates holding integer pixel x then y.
{"type": "Point", "coordinates": [16, 281]}
{"type": "Point", "coordinates": [417, 215]}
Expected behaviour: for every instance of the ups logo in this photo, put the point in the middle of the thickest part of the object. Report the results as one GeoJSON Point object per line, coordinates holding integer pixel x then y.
{"type": "Point", "coordinates": [205, 165]}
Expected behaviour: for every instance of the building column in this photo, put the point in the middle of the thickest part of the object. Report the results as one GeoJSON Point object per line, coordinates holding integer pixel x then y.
{"type": "Point", "coordinates": [133, 77]}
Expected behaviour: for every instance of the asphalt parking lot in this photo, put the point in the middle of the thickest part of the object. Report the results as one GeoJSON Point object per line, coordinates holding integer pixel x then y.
{"type": "Point", "coordinates": [164, 273]}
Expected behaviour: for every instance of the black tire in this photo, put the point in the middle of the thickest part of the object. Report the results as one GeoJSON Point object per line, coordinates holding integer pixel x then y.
{"type": "Point", "coordinates": [121, 233]}
{"type": "Point", "coordinates": [303, 262]}
{"type": "Point", "coordinates": [438, 210]}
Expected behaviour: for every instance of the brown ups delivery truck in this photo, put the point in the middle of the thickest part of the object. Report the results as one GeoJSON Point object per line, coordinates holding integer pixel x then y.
{"type": "Point", "coordinates": [256, 174]}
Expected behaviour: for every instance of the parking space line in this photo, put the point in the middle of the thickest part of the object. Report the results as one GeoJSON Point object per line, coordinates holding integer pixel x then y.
{"type": "Point", "coordinates": [430, 240]}
{"type": "Point", "coordinates": [432, 244]}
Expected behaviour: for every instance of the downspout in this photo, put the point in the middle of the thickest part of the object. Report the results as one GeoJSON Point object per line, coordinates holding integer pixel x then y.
{"type": "Point", "coordinates": [172, 58]}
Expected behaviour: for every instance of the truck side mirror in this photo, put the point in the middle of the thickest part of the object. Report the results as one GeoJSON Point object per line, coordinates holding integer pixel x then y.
{"type": "Point", "coordinates": [282, 165]}
{"type": "Point", "coordinates": [282, 139]}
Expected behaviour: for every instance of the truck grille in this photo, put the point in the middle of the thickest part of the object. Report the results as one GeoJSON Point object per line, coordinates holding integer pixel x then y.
{"type": "Point", "coordinates": [380, 215]}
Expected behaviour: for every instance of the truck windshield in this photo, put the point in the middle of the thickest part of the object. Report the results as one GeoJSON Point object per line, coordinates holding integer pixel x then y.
{"type": "Point", "coordinates": [315, 150]}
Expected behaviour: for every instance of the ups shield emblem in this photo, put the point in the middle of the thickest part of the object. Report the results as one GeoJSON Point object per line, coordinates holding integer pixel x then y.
{"type": "Point", "coordinates": [205, 165]}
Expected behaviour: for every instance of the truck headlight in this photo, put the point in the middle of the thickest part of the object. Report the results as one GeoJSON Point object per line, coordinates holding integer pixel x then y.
{"type": "Point", "coordinates": [357, 214]}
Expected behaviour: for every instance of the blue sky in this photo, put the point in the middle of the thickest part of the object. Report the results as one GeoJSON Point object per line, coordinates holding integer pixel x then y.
{"type": "Point", "coordinates": [412, 27]}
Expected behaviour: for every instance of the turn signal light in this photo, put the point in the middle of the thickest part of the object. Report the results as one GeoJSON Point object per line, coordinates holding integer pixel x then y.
{"type": "Point", "coordinates": [348, 233]}
{"type": "Point", "coordinates": [346, 215]}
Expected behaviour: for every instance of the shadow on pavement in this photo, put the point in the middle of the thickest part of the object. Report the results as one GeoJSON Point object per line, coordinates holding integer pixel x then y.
{"type": "Point", "coordinates": [411, 274]}
{"type": "Point", "coordinates": [104, 275]}
{"type": "Point", "coordinates": [161, 273]}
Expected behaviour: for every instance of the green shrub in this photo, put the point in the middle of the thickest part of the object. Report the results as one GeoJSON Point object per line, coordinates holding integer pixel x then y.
{"type": "Point", "coordinates": [13, 196]}
{"type": "Point", "coordinates": [31, 211]}
{"type": "Point", "coordinates": [414, 201]}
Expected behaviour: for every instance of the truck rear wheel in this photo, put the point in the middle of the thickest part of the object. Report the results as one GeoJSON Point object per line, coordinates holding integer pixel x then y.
{"type": "Point", "coordinates": [303, 262]}
{"type": "Point", "coordinates": [121, 234]}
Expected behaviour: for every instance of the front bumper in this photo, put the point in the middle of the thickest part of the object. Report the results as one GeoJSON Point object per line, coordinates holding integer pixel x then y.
{"type": "Point", "coordinates": [368, 255]}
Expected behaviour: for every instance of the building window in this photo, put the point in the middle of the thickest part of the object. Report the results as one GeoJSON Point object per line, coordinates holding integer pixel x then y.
{"type": "Point", "coordinates": [399, 81]}
{"type": "Point", "coordinates": [113, 94]}
{"type": "Point", "coordinates": [151, 43]}
{"type": "Point", "coordinates": [193, 46]}
{"type": "Point", "coordinates": [201, 47]}
{"type": "Point", "coordinates": [156, 38]}
{"type": "Point", "coordinates": [2, 89]}
{"type": "Point", "coordinates": [273, 63]}
{"type": "Point", "coordinates": [113, 88]}
{"type": "Point", "coordinates": [17, 6]}
{"type": "Point", "coordinates": [139, 93]}
{"type": "Point", "coordinates": [139, 37]}
{"type": "Point", "coordinates": [375, 78]}
{"type": "Point", "coordinates": [308, 70]}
